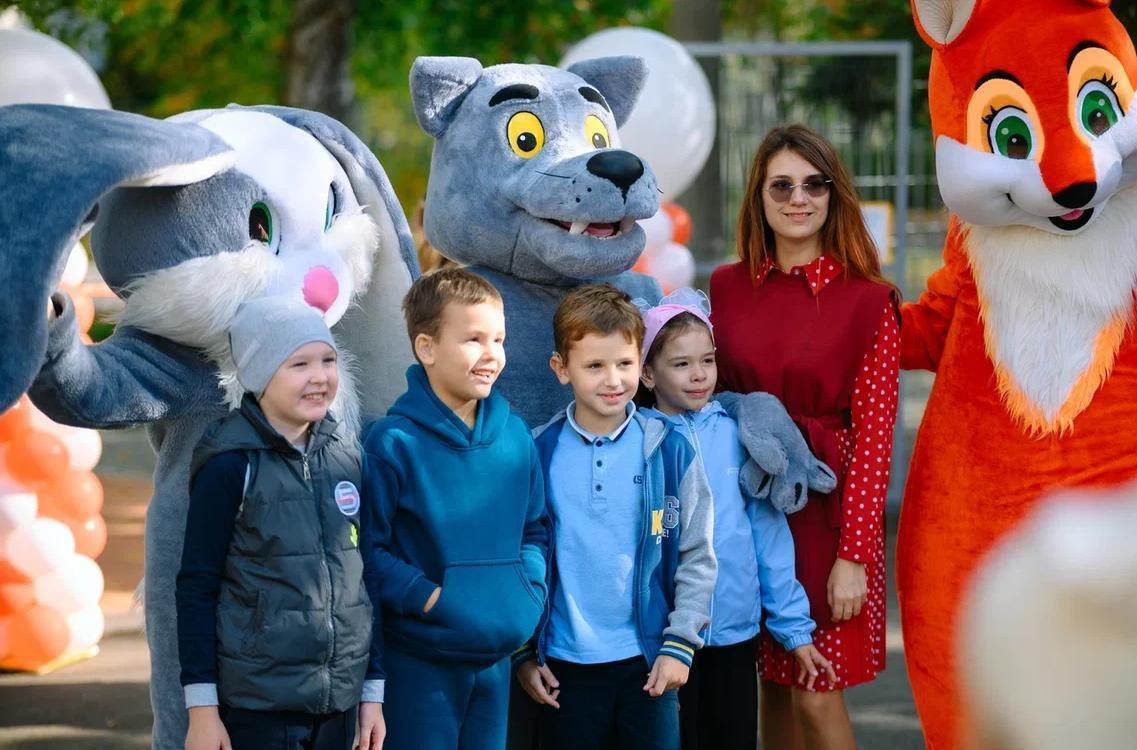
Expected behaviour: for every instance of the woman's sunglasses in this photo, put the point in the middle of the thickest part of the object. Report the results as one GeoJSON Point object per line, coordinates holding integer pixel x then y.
{"type": "Point", "coordinates": [814, 187]}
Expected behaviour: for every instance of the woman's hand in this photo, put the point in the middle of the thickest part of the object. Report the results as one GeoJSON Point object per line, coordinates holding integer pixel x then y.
{"type": "Point", "coordinates": [206, 732]}
{"type": "Point", "coordinates": [846, 589]}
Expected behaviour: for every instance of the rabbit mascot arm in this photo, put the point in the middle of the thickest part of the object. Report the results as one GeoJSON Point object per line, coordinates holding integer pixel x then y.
{"type": "Point", "coordinates": [191, 217]}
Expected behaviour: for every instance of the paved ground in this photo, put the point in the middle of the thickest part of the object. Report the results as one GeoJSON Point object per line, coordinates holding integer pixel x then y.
{"type": "Point", "coordinates": [103, 703]}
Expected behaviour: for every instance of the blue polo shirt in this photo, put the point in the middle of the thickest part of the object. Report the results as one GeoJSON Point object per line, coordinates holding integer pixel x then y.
{"type": "Point", "coordinates": [596, 499]}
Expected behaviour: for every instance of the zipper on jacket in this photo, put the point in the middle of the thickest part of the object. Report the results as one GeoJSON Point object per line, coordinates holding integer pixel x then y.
{"type": "Point", "coordinates": [327, 575]}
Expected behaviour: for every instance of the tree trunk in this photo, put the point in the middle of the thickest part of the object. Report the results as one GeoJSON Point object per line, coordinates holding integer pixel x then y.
{"type": "Point", "coordinates": [701, 21]}
{"type": "Point", "coordinates": [319, 52]}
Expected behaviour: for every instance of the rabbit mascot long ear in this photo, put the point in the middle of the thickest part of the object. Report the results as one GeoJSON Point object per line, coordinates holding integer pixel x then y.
{"type": "Point", "coordinates": [191, 217]}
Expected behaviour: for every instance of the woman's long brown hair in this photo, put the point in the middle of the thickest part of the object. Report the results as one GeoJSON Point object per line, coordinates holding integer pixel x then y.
{"type": "Point", "coordinates": [844, 234]}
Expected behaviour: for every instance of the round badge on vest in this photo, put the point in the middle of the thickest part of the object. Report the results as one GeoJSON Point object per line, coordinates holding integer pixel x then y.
{"type": "Point", "coordinates": [347, 498]}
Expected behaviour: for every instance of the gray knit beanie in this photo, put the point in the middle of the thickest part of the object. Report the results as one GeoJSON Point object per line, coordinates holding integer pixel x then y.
{"type": "Point", "coordinates": [266, 331]}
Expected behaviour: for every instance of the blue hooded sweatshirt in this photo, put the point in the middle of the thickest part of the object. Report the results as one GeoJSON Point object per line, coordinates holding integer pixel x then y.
{"type": "Point", "coordinates": [752, 542]}
{"type": "Point", "coordinates": [458, 508]}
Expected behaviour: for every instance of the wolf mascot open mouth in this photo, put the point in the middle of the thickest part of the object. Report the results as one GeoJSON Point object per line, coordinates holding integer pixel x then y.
{"type": "Point", "coordinates": [192, 216]}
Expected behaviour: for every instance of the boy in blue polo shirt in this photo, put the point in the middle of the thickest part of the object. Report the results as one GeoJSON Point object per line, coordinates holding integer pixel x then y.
{"type": "Point", "coordinates": [631, 565]}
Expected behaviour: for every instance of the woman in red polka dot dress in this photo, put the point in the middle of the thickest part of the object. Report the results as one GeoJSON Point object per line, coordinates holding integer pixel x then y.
{"type": "Point", "coordinates": [807, 316]}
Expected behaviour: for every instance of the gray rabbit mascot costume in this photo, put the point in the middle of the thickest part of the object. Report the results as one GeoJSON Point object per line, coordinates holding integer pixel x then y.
{"type": "Point", "coordinates": [191, 216]}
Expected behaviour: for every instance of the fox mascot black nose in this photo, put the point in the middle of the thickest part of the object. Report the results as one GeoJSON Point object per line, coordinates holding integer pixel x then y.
{"type": "Point", "coordinates": [1077, 195]}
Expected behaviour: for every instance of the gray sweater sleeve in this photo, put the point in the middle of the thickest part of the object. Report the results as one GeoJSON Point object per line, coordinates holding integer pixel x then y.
{"type": "Point", "coordinates": [698, 569]}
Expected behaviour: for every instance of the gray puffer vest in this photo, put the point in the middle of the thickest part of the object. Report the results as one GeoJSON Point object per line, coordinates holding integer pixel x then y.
{"type": "Point", "coordinates": [293, 617]}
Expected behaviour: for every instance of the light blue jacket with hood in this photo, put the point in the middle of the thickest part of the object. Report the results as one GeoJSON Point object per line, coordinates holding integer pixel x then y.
{"type": "Point", "coordinates": [752, 541]}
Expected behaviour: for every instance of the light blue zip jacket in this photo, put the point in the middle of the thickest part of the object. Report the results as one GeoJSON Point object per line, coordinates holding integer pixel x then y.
{"type": "Point", "coordinates": [752, 542]}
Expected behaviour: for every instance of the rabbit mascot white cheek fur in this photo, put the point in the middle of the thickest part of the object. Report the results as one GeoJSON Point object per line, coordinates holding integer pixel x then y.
{"type": "Point", "coordinates": [191, 216]}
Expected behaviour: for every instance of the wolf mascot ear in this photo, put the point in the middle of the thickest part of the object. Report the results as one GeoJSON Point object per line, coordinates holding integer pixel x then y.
{"type": "Point", "coordinates": [620, 79]}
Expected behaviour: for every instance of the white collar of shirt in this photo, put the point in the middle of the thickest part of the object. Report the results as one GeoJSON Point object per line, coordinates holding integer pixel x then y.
{"type": "Point", "coordinates": [588, 437]}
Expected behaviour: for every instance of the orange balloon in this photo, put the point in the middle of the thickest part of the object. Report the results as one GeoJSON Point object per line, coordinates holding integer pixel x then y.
{"type": "Point", "coordinates": [84, 311]}
{"type": "Point", "coordinates": [37, 457]}
{"type": "Point", "coordinates": [36, 636]}
{"type": "Point", "coordinates": [680, 223]}
{"type": "Point", "coordinates": [90, 536]}
{"type": "Point", "coordinates": [16, 597]}
{"type": "Point", "coordinates": [11, 574]}
{"type": "Point", "coordinates": [73, 495]}
{"type": "Point", "coordinates": [15, 421]}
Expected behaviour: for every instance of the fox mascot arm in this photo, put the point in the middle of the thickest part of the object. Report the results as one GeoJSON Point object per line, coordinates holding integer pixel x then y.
{"type": "Point", "coordinates": [925, 323]}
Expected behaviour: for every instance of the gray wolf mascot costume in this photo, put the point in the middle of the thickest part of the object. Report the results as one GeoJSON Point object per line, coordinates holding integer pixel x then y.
{"type": "Point", "coordinates": [191, 217]}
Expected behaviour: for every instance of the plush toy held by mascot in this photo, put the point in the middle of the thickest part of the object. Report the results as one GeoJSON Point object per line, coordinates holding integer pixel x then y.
{"type": "Point", "coordinates": [529, 186]}
{"type": "Point", "coordinates": [1029, 324]}
{"type": "Point", "coordinates": [191, 216]}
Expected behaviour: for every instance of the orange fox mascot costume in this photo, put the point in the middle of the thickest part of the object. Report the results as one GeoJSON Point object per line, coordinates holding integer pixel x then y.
{"type": "Point", "coordinates": [1029, 325]}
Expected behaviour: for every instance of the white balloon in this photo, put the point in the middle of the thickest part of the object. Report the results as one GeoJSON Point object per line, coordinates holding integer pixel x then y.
{"type": "Point", "coordinates": [86, 628]}
{"type": "Point", "coordinates": [39, 547]}
{"type": "Point", "coordinates": [84, 448]}
{"type": "Point", "coordinates": [658, 229]}
{"type": "Point", "coordinates": [75, 585]}
{"type": "Point", "coordinates": [75, 272]}
{"type": "Point", "coordinates": [673, 124]}
{"type": "Point", "coordinates": [16, 509]}
{"type": "Point", "coordinates": [672, 266]}
{"type": "Point", "coordinates": [41, 70]}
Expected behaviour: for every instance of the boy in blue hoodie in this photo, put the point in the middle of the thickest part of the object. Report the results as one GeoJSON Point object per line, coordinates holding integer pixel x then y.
{"type": "Point", "coordinates": [457, 533]}
{"type": "Point", "coordinates": [632, 565]}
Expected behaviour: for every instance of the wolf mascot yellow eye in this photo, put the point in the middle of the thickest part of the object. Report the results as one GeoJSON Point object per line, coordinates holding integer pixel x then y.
{"type": "Point", "coordinates": [1002, 119]}
{"type": "Point", "coordinates": [526, 134]}
{"type": "Point", "coordinates": [596, 132]}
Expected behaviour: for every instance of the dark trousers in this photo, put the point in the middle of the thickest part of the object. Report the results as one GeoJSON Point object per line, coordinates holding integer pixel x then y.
{"type": "Point", "coordinates": [718, 707]}
{"type": "Point", "coordinates": [433, 705]}
{"type": "Point", "coordinates": [288, 730]}
{"type": "Point", "coordinates": [605, 706]}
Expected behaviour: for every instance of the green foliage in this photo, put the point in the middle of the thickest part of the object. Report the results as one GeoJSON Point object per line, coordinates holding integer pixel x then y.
{"type": "Point", "coordinates": [161, 57]}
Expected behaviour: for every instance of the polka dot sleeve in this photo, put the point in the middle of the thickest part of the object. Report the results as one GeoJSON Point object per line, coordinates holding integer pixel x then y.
{"type": "Point", "coordinates": [874, 407]}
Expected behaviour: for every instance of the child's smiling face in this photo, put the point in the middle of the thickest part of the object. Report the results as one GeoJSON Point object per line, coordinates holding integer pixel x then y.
{"type": "Point", "coordinates": [604, 372]}
{"type": "Point", "coordinates": [303, 387]}
{"type": "Point", "coordinates": [683, 373]}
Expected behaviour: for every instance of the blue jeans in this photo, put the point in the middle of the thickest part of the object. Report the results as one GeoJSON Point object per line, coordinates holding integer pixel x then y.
{"type": "Point", "coordinates": [605, 706]}
{"type": "Point", "coordinates": [432, 705]}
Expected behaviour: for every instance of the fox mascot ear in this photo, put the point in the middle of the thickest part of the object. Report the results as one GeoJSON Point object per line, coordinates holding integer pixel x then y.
{"type": "Point", "coordinates": [941, 21]}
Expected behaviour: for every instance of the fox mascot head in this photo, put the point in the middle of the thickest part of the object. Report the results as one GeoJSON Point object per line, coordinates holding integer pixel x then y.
{"type": "Point", "coordinates": [1036, 155]}
{"type": "Point", "coordinates": [1029, 101]}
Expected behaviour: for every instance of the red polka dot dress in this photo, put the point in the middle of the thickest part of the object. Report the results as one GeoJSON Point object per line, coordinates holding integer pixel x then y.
{"type": "Point", "coordinates": [827, 345]}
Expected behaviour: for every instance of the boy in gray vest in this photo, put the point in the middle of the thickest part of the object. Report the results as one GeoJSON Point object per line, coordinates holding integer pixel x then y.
{"type": "Point", "coordinates": [274, 622]}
